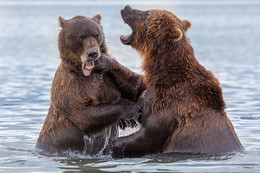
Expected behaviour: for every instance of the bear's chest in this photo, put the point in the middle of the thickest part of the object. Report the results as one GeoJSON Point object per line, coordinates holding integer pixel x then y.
{"type": "Point", "coordinates": [101, 89]}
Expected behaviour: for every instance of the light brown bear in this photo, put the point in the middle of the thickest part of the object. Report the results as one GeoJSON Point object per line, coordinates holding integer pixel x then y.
{"type": "Point", "coordinates": [183, 106]}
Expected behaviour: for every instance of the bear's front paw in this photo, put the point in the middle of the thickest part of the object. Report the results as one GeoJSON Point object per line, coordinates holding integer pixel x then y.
{"type": "Point", "coordinates": [104, 63]}
{"type": "Point", "coordinates": [131, 113]}
{"type": "Point", "coordinates": [137, 109]}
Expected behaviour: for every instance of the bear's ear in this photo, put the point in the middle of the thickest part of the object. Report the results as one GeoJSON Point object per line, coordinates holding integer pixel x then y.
{"type": "Point", "coordinates": [97, 18]}
{"type": "Point", "coordinates": [61, 21]}
{"type": "Point", "coordinates": [186, 24]}
{"type": "Point", "coordinates": [176, 34]}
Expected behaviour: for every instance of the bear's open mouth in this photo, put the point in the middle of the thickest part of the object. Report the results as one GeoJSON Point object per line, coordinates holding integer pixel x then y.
{"type": "Point", "coordinates": [87, 67]}
{"type": "Point", "coordinates": [126, 39]}
{"type": "Point", "coordinates": [128, 19]}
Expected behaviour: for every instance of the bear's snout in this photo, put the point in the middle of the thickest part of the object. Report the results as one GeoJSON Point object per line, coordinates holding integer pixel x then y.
{"type": "Point", "coordinates": [92, 55]}
{"type": "Point", "coordinates": [128, 8]}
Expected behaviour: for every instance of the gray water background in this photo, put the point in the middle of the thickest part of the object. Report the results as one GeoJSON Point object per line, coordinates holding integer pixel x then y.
{"type": "Point", "coordinates": [224, 34]}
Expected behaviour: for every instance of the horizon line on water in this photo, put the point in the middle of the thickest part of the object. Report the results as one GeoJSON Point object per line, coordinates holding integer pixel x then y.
{"type": "Point", "coordinates": [114, 2]}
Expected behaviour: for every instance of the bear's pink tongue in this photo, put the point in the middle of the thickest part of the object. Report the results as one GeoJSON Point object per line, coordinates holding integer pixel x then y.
{"type": "Point", "coordinates": [87, 67]}
{"type": "Point", "coordinates": [125, 37]}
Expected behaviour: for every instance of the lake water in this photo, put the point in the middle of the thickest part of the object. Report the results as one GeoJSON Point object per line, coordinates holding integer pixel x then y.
{"type": "Point", "coordinates": [224, 34]}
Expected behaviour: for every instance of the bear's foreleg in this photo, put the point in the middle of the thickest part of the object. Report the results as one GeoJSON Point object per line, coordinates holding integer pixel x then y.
{"type": "Point", "coordinates": [94, 119]}
{"type": "Point", "coordinates": [130, 84]}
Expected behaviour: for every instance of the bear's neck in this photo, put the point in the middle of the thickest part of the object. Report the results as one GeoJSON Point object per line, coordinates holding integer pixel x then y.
{"type": "Point", "coordinates": [168, 68]}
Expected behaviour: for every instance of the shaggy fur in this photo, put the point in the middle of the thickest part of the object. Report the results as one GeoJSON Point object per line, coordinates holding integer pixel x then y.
{"type": "Point", "coordinates": [86, 106]}
{"type": "Point", "coordinates": [183, 106]}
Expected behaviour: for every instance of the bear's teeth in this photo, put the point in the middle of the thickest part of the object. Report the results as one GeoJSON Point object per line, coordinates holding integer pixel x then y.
{"type": "Point", "coordinates": [126, 36]}
{"type": "Point", "coordinates": [88, 66]}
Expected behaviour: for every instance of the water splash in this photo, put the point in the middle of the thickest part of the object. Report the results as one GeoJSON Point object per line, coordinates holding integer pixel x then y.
{"type": "Point", "coordinates": [108, 134]}
{"type": "Point", "coordinates": [96, 144]}
{"type": "Point", "coordinates": [88, 144]}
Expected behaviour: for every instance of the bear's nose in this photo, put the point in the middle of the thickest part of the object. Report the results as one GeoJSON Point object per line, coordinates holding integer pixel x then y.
{"type": "Point", "coordinates": [92, 55]}
{"type": "Point", "coordinates": [128, 8]}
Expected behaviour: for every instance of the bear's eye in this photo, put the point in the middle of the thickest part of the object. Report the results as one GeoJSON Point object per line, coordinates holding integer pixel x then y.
{"type": "Point", "coordinates": [96, 35]}
{"type": "Point", "coordinates": [82, 37]}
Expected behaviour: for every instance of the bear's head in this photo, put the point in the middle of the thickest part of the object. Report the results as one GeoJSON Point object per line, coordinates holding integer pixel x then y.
{"type": "Point", "coordinates": [80, 41]}
{"type": "Point", "coordinates": [153, 30]}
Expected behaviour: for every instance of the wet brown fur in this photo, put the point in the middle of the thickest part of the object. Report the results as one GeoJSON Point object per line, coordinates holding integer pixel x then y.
{"type": "Point", "coordinates": [84, 106]}
{"type": "Point", "coordinates": [184, 106]}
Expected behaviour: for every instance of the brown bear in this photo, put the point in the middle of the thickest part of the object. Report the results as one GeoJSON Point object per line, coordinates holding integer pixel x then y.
{"type": "Point", "coordinates": [183, 105]}
{"type": "Point", "coordinates": [86, 105]}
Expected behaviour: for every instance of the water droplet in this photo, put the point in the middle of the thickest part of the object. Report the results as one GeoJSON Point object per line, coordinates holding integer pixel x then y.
{"type": "Point", "coordinates": [96, 143]}
{"type": "Point", "coordinates": [101, 78]}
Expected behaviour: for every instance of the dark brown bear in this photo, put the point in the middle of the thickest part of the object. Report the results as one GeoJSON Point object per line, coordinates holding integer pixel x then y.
{"type": "Point", "coordinates": [84, 103]}
{"type": "Point", "coordinates": [184, 106]}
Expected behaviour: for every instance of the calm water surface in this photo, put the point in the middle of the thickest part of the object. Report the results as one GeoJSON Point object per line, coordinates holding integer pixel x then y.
{"type": "Point", "coordinates": [224, 34]}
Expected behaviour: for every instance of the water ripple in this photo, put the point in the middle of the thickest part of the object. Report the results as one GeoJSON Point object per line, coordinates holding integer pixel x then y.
{"type": "Point", "coordinates": [226, 43]}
